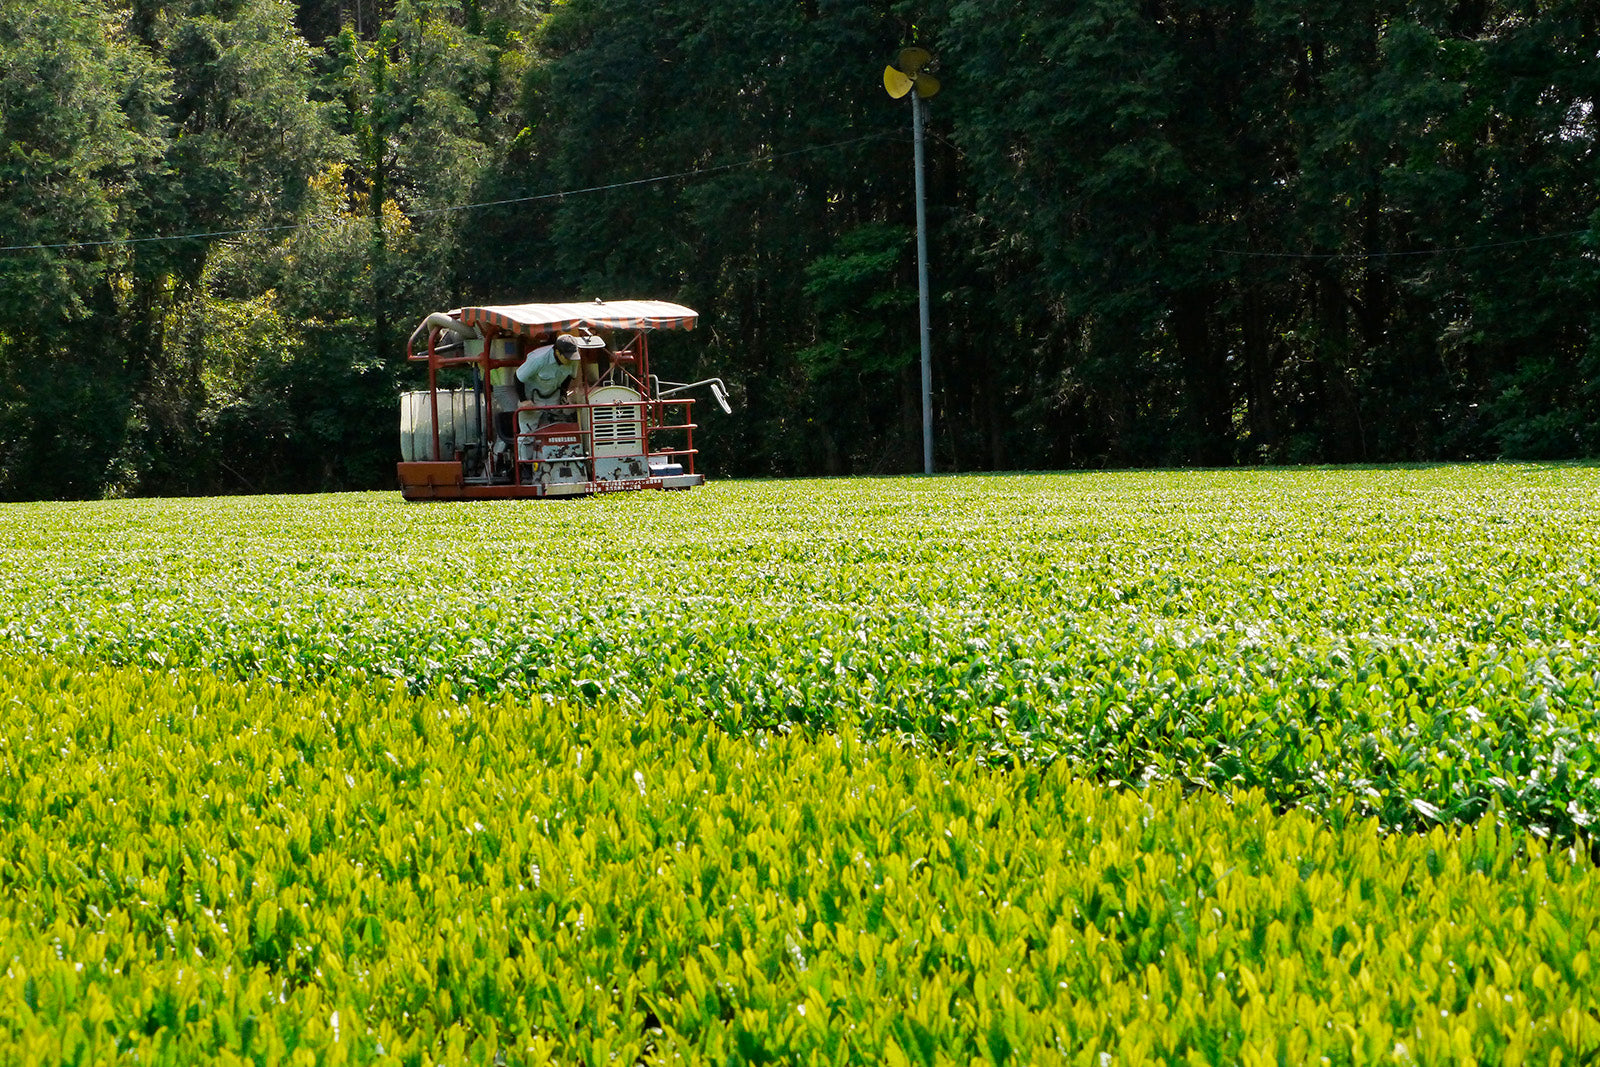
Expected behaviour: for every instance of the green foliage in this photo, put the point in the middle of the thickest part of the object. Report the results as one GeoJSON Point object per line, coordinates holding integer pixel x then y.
{"type": "Point", "coordinates": [864, 298]}
{"type": "Point", "coordinates": [1162, 233]}
{"type": "Point", "coordinates": [81, 141]}
{"type": "Point", "coordinates": [78, 139]}
{"type": "Point", "coordinates": [859, 292]}
{"type": "Point", "coordinates": [1161, 166]}
{"type": "Point", "coordinates": [1414, 644]}
{"type": "Point", "coordinates": [627, 90]}
{"type": "Point", "coordinates": [250, 131]}
{"type": "Point", "coordinates": [296, 396]}
{"type": "Point", "coordinates": [215, 121]}
{"type": "Point", "coordinates": [204, 871]}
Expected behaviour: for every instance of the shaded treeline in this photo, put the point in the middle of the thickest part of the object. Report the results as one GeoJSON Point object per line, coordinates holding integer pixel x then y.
{"type": "Point", "coordinates": [1163, 232]}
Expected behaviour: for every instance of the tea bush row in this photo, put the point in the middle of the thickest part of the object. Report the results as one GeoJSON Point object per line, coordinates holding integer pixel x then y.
{"type": "Point", "coordinates": [195, 870]}
{"type": "Point", "coordinates": [1418, 642]}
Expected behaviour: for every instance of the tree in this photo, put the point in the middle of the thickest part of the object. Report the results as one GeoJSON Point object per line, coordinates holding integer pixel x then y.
{"type": "Point", "coordinates": [250, 138]}
{"type": "Point", "coordinates": [81, 139]}
{"type": "Point", "coordinates": [772, 115]}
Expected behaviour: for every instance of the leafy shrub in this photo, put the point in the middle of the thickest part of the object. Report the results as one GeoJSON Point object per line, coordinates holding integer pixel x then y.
{"type": "Point", "coordinates": [201, 870]}
{"type": "Point", "coordinates": [1417, 643]}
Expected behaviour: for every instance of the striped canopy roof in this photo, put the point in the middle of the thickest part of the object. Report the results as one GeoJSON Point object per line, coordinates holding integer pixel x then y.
{"type": "Point", "coordinates": [537, 319]}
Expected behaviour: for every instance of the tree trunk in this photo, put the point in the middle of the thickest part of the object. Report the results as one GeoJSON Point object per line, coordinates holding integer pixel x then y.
{"type": "Point", "coordinates": [1204, 375]}
{"type": "Point", "coordinates": [1259, 397]}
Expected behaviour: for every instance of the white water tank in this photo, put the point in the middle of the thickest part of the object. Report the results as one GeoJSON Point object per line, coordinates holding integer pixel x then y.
{"type": "Point", "coordinates": [460, 423]}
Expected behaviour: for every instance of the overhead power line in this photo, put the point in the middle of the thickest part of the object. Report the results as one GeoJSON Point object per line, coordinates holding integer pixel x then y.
{"type": "Point", "coordinates": [455, 208]}
{"type": "Point", "coordinates": [1399, 255]}
{"type": "Point", "coordinates": [1364, 255]}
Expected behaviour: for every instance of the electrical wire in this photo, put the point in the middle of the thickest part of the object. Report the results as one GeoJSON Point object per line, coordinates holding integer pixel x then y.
{"type": "Point", "coordinates": [1357, 255]}
{"type": "Point", "coordinates": [722, 167]}
{"type": "Point", "coordinates": [697, 172]}
{"type": "Point", "coordinates": [1398, 255]}
{"type": "Point", "coordinates": [455, 208]}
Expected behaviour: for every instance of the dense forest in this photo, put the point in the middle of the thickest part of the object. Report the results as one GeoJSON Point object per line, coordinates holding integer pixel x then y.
{"type": "Point", "coordinates": [1162, 232]}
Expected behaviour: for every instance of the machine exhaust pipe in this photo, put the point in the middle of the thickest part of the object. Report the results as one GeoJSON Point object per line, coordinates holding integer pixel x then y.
{"type": "Point", "coordinates": [444, 323]}
{"type": "Point", "coordinates": [440, 321]}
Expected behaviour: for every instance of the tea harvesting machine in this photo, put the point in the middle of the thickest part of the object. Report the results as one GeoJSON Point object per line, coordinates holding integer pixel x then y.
{"type": "Point", "coordinates": [547, 400]}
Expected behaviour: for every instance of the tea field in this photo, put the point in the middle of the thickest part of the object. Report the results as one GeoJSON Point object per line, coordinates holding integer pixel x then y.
{"type": "Point", "coordinates": [1216, 767]}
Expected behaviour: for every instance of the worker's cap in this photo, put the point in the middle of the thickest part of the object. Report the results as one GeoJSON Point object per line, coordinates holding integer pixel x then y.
{"type": "Point", "coordinates": [568, 344]}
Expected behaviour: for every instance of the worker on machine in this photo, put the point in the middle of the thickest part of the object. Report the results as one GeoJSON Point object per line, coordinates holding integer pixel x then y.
{"type": "Point", "coordinates": [546, 374]}
{"type": "Point", "coordinates": [547, 369]}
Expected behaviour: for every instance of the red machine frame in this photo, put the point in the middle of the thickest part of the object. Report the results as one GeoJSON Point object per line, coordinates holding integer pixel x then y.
{"type": "Point", "coordinates": [532, 325]}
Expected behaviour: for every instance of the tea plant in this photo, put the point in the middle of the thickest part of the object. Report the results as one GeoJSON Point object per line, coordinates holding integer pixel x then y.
{"type": "Point", "coordinates": [199, 870]}
{"type": "Point", "coordinates": [1420, 643]}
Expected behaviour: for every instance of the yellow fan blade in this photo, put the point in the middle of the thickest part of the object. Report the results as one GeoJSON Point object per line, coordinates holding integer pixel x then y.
{"type": "Point", "coordinates": [913, 59]}
{"type": "Point", "coordinates": [897, 84]}
{"type": "Point", "coordinates": [927, 85]}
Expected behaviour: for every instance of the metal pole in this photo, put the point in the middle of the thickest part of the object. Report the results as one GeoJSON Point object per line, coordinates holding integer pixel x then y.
{"type": "Point", "coordinates": [922, 290]}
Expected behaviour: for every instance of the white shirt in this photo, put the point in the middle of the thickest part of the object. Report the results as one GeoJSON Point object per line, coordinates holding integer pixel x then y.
{"type": "Point", "coordinates": [543, 374]}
